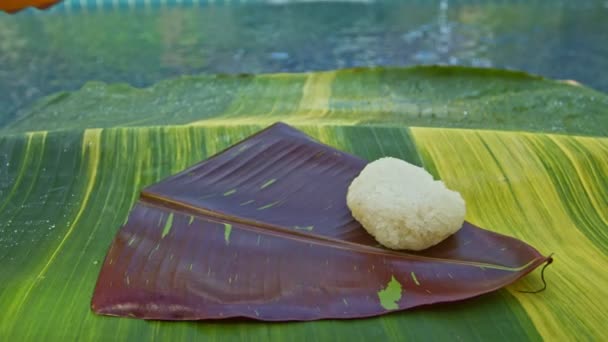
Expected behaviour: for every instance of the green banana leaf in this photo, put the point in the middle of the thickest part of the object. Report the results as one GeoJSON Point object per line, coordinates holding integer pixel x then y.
{"type": "Point", "coordinates": [529, 156]}
{"type": "Point", "coordinates": [419, 96]}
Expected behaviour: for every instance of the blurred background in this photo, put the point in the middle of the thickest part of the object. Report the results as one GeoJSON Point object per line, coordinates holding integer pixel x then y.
{"type": "Point", "coordinates": [141, 42]}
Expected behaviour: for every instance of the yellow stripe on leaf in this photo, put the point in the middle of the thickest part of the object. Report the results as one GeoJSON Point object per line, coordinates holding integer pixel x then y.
{"type": "Point", "coordinates": [90, 153]}
{"type": "Point", "coordinates": [316, 94]}
{"type": "Point", "coordinates": [509, 189]}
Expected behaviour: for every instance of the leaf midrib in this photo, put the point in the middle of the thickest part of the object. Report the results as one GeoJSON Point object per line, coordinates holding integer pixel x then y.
{"type": "Point", "coordinates": [165, 203]}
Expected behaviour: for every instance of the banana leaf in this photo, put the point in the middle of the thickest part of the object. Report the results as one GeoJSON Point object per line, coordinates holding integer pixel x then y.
{"type": "Point", "coordinates": [251, 206]}
{"type": "Point", "coordinates": [72, 166]}
{"type": "Point", "coordinates": [454, 97]}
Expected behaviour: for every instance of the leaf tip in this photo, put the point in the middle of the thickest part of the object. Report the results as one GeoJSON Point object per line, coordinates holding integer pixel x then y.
{"type": "Point", "coordinates": [548, 262]}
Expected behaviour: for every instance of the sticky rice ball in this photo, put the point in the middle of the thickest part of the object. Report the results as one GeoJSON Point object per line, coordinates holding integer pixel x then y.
{"type": "Point", "coordinates": [402, 206]}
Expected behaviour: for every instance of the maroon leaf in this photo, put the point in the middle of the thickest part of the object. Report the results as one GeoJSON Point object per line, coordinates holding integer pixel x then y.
{"type": "Point", "coordinates": [262, 230]}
